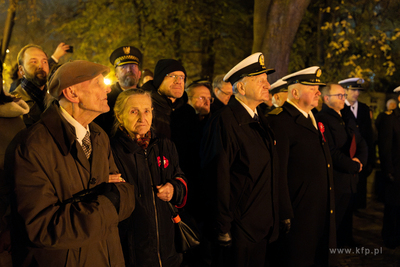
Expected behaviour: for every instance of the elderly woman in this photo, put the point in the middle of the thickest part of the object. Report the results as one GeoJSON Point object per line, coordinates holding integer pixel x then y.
{"type": "Point", "coordinates": [151, 164]}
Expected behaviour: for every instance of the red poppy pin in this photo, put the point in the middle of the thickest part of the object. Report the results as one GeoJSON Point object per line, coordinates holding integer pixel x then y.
{"type": "Point", "coordinates": [166, 162]}
{"type": "Point", "coordinates": [322, 129]}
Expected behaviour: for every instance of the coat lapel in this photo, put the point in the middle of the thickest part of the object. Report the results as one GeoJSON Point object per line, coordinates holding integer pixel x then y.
{"type": "Point", "coordinates": [299, 117]}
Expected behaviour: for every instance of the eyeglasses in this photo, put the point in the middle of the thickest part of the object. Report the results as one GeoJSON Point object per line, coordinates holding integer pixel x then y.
{"type": "Point", "coordinates": [231, 93]}
{"type": "Point", "coordinates": [202, 98]}
{"type": "Point", "coordinates": [181, 78]}
{"type": "Point", "coordinates": [340, 96]}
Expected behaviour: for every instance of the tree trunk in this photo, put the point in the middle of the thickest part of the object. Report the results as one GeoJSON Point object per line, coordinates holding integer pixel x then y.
{"type": "Point", "coordinates": [275, 26]}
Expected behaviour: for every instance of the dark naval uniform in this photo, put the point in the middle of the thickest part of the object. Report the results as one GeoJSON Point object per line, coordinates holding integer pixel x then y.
{"type": "Point", "coordinates": [306, 162]}
{"type": "Point", "coordinates": [240, 160]}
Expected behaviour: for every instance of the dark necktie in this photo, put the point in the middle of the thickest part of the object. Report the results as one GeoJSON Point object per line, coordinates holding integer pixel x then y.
{"type": "Point", "coordinates": [256, 118]}
{"type": "Point", "coordinates": [86, 145]}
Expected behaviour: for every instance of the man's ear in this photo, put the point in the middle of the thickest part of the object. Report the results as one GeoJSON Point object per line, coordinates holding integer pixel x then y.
{"type": "Point", "coordinates": [70, 94]}
{"type": "Point", "coordinates": [241, 88]}
{"type": "Point", "coordinates": [21, 70]}
{"type": "Point", "coordinates": [296, 93]}
{"type": "Point", "coordinates": [215, 90]}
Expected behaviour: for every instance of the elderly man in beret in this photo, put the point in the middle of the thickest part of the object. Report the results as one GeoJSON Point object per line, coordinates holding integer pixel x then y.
{"type": "Point", "coordinates": [65, 211]}
{"type": "Point", "coordinates": [239, 157]}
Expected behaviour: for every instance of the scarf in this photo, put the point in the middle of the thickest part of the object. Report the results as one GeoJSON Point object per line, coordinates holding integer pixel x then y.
{"type": "Point", "coordinates": [143, 141]}
{"type": "Point", "coordinates": [34, 92]}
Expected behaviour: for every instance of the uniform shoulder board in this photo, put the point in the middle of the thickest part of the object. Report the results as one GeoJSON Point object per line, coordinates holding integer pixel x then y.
{"type": "Point", "coordinates": [275, 111]}
{"type": "Point", "coordinates": [389, 112]}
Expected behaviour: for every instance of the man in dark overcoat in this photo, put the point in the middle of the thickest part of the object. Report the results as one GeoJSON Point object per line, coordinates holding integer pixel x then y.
{"type": "Point", "coordinates": [389, 155]}
{"type": "Point", "coordinates": [239, 156]}
{"type": "Point", "coordinates": [65, 211]}
{"type": "Point", "coordinates": [362, 115]}
{"type": "Point", "coordinates": [349, 154]}
{"type": "Point", "coordinates": [306, 162]}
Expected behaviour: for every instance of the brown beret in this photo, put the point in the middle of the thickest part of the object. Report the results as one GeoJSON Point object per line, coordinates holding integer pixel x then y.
{"type": "Point", "coordinates": [72, 73]}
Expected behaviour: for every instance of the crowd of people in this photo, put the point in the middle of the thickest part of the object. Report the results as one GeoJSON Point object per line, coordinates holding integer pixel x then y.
{"type": "Point", "coordinates": [266, 175]}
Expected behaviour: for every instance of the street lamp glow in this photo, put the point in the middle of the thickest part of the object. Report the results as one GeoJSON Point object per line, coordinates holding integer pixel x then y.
{"type": "Point", "coordinates": [107, 81]}
{"type": "Point", "coordinates": [7, 51]}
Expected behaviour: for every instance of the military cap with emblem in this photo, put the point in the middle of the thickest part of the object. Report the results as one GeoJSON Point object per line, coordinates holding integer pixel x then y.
{"type": "Point", "coordinates": [126, 55]}
{"type": "Point", "coordinates": [251, 66]}
{"type": "Point", "coordinates": [309, 76]}
{"type": "Point", "coordinates": [278, 86]}
{"type": "Point", "coordinates": [74, 72]}
{"type": "Point", "coordinates": [397, 89]}
{"type": "Point", "coordinates": [352, 83]}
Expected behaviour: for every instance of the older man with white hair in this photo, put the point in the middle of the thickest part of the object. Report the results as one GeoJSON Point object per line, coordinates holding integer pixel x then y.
{"type": "Point", "coordinates": [239, 157]}
{"type": "Point", "coordinates": [307, 167]}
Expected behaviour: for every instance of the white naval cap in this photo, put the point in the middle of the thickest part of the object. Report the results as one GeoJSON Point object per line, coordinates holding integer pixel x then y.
{"type": "Point", "coordinates": [352, 83]}
{"type": "Point", "coordinates": [309, 76]}
{"type": "Point", "coordinates": [250, 66]}
{"type": "Point", "coordinates": [278, 86]}
{"type": "Point", "coordinates": [397, 89]}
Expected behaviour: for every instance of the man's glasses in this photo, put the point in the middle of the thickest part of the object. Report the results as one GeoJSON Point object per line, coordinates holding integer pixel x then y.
{"type": "Point", "coordinates": [340, 96]}
{"type": "Point", "coordinates": [229, 94]}
{"type": "Point", "coordinates": [202, 98]}
{"type": "Point", "coordinates": [176, 77]}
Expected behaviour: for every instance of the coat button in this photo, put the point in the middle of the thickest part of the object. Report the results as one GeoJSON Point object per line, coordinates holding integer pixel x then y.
{"type": "Point", "coordinates": [93, 180]}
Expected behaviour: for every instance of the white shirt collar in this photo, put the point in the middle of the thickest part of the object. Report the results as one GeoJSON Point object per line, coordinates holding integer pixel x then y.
{"type": "Point", "coordinates": [80, 131]}
{"type": "Point", "coordinates": [304, 113]}
{"type": "Point", "coordinates": [353, 108]}
{"type": "Point", "coordinates": [251, 112]}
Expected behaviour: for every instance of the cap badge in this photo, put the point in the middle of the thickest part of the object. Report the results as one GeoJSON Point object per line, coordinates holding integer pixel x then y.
{"type": "Point", "coordinates": [261, 61]}
{"type": "Point", "coordinates": [319, 72]}
{"type": "Point", "coordinates": [360, 81]}
{"type": "Point", "coordinates": [127, 50]}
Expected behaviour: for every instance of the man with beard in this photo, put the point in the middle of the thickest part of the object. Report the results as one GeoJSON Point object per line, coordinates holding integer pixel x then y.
{"type": "Point", "coordinates": [127, 61]}
{"type": "Point", "coordinates": [34, 66]}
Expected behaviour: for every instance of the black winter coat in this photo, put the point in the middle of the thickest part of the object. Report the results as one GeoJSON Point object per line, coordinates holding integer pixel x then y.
{"type": "Point", "coordinates": [240, 160]}
{"type": "Point", "coordinates": [147, 237]}
{"type": "Point", "coordinates": [338, 133]}
{"type": "Point", "coordinates": [306, 162]}
{"type": "Point", "coordinates": [164, 115]}
{"type": "Point", "coordinates": [389, 154]}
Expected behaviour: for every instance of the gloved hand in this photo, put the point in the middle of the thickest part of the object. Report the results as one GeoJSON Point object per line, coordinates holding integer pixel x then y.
{"type": "Point", "coordinates": [109, 190]}
{"type": "Point", "coordinates": [284, 226]}
{"type": "Point", "coordinates": [224, 239]}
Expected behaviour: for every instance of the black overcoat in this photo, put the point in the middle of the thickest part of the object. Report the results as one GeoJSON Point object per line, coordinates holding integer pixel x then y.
{"type": "Point", "coordinates": [147, 237]}
{"type": "Point", "coordinates": [239, 158]}
{"type": "Point", "coordinates": [338, 133]}
{"type": "Point", "coordinates": [306, 162]}
{"type": "Point", "coordinates": [389, 154]}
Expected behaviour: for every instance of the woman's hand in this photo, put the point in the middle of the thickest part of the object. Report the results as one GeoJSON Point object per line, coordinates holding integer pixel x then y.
{"type": "Point", "coordinates": [165, 192]}
{"type": "Point", "coordinates": [115, 178]}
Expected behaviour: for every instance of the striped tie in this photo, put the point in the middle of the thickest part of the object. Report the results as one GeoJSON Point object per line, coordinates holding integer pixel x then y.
{"type": "Point", "coordinates": [86, 145]}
